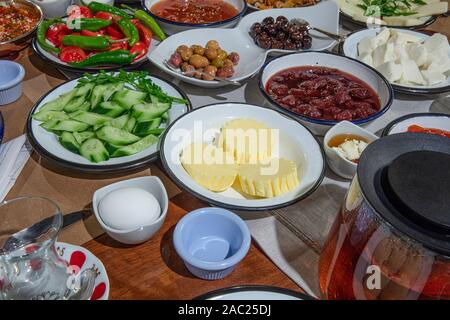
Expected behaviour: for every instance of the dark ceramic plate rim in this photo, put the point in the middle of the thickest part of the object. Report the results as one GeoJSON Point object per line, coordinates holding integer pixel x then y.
{"type": "Point", "coordinates": [398, 88]}
{"type": "Point", "coordinates": [246, 288]}
{"type": "Point", "coordinates": [325, 122]}
{"type": "Point", "coordinates": [389, 127]}
{"type": "Point", "coordinates": [364, 25]}
{"type": "Point", "coordinates": [126, 166]}
{"type": "Point", "coordinates": [201, 25]}
{"type": "Point", "coordinates": [230, 206]}
{"type": "Point", "coordinates": [38, 50]}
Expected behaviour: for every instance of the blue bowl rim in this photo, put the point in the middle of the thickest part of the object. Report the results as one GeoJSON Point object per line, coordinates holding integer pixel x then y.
{"type": "Point", "coordinates": [201, 25]}
{"type": "Point", "coordinates": [330, 123]}
{"type": "Point", "coordinates": [212, 265]}
{"type": "Point", "coordinates": [17, 79]}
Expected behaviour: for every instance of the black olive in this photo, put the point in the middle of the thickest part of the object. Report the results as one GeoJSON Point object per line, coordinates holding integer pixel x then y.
{"type": "Point", "coordinates": [281, 35]}
{"type": "Point", "coordinates": [255, 29]}
{"type": "Point", "coordinates": [289, 45]}
{"type": "Point", "coordinates": [298, 45]}
{"type": "Point", "coordinates": [306, 42]}
{"type": "Point", "coordinates": [282, 18]}
{"type": "Point", "coordinates": [296, 37]}
{"type": "Point", "coordinates": [285, 26]}
{"type": "Point", "coordinates": [265, 43]}
{"type": "Point", "coordinates": [277, 44]}
{"type": "Point", "coordinates": [293, 29]}
{"type": "Point", "coordinates": [271, 30]}
{"type": "Point", "coordinates": [268, 20]}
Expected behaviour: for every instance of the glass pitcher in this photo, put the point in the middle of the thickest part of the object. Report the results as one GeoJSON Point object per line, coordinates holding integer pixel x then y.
{"type": "Point", "coordinates": [30, 267]}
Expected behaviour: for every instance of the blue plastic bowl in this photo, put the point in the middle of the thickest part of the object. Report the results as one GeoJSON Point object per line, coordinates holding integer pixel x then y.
{"type": "Point", "coordinates": [211, 242]}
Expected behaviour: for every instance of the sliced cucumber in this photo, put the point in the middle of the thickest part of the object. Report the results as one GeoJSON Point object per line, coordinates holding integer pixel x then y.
{"type": "Point", "coordinates": [154, 99]}
{"type": "Point", "coordinates": [136, 147]}
{"type": "Point", "coordinates": [48, 125]}
{"type": "Point", "coordinates": [90, 118]}
{"type": "Point", "coordinates": [74, 104]}
{"type": "Point", "coordinates": [85, 91]}
{"type": "Point", "coordinates": [116, 136]}
{"type": "Point", "coordinates": [130, 124]}
{"type": "Point", "coordinates": [112, 148]}
{"type": "Point", "coordinates": [97, 94]}
{"type": "Point", "coordinates": [128, 98]}
{"type": "Point", "coordinates": [69, 142]}
{"type": "Point", "coordinates": [121, 121]}
{"type": "Point", "coordinates": [165, 117]}
{"type": "Point", "coordinates": [112, 89]}
{"type": "Point", "coordinates": [46, 115]}
{"type": "Point", "coordinates": [59, 103]}
{"type": "Point", "coordinates": [109, 108]}
{"type": "Point", "coordinates": [149, 111]}
{"type": "Point", "coordinates": [70, 125]}
{"type": "Point", "coordinates": [85, 106]}
{"type": "Point", "coordinates": [145, 128]}
{"type": "Point", "coordinates": [94, 150]}
{"type": "Point", "coordinates": [83, 136]}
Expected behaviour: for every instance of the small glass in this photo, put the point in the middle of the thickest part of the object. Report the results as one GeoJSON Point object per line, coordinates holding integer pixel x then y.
{"type": "Point", "coordinates": [30, 267]}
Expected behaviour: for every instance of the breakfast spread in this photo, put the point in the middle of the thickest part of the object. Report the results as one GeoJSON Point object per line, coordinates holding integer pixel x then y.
{"type": "Point", "coordinates": [194, 12]}
{"type": "Point", "coordinates": [279, 33]}
{"type": "Point", "coordinates": [348, 146]}
{"type": "Point", "coordinates": [393, 12]}
{"type": "Point", "coordinates": [245, 155]}
{"type": "Point", "coordinates": [323, 93]}
{"type": "Point", "coordinates": [406, 59]}
{"type": "Point", "coordinates": [108, 115]}
{"type": "Point", "coordinates": [271, 4]}
{"type": "Point", "coordinates": [15, 21]}
{"type": "Point", "coordinates": [205, 63]}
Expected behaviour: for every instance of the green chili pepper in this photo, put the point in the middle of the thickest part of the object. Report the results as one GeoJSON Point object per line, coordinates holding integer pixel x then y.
{"type": "Point", "coordinates": [96, 7]}
{"type": "Point", "coordinates": [91, 24]}
{"type": "Point", "coordinates": [146, 19]}
{"type": "Point", "coordinates": [41, 36]}
{"type": "Point", "coordinates": [129, 30]}
{"type": "Point", "coordinates": [118, 57]}
{"type": "Point", "coordinates": [88, 43]}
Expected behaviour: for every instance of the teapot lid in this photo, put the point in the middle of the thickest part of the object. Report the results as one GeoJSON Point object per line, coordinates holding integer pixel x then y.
{"type": "Point", "coordinates": [406, 179]}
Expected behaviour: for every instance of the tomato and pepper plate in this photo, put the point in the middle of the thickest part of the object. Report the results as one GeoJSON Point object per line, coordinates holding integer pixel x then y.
{"type": "Point", "coordinates": [85, 41]}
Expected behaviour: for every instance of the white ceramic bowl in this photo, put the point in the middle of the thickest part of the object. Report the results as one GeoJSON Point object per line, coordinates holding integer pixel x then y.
{"type": "Point", "coordinates": [172, 27]}
{"type": "Point", "coordinates": [11, 78]}
{"type": "Point", "coordinates": [141, 234]}
{"type": "Point", "coordinates": [252, 57]}
{"type": "Point", "coordinates": [350, 49]}
{"type": "Point", "coordinates": [326, 59]}
{"type": "Point", "coordinates": [341, 166]}
{"type": "Point", "coordinates": [204, 123]}
{"type": "Point", "coordinates": [426, 120]}
{"type": "Point", "coordinates": [53, 8]}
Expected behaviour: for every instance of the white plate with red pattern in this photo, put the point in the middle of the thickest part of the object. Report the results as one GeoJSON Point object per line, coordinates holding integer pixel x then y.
{"type": "Point", "coordinates": [84, 259]}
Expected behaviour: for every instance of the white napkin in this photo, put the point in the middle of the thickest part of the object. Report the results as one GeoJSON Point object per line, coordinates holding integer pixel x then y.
{"type": "Point", "coordinates": [14, 155]}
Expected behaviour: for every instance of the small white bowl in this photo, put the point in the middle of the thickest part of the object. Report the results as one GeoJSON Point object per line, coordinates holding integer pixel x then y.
{"type": "Point", "coordinates": [11, 77]}
{"type": "Point", "coordinates": [341, 166]}
{"type": "Point", "coordinates": [439, 121]}
{"type": "Point", "coordinates": [172, 27]}
{"type": "Point", "coordinates": [53, 8]}
{"type": "Point", "coordinates": [141, 234]}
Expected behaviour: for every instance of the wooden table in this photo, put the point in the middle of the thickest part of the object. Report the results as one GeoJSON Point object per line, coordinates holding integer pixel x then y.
{"type": "Point", "coordinates": [151, 270]}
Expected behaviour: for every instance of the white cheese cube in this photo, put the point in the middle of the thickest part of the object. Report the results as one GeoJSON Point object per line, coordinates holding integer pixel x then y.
{"type": "Point", "coordinates": [381, 38]}
{"type": "Point", "coordinates": [433, 77]}
{"type": "Point", "coordinates": [383, 54]}
{"type": "Point", "coordinates": [399, 47]}
{"type": "Point", "coordinates": [441, 65]}
{"type": "Point", "coordinates": [365, 46]}
{"type": "Point", "coordinates": [391, 71]}
{"type": "Point", "coordinates": [418, 53]}
{"type": "Point", "coordinates": [411, 73]}
{"type": "Point", "coordinates": [437, 44]}
{"type": "Point", "coordinates": [405, 37]}
{"type": "Point", "coordinates": [366, 58]}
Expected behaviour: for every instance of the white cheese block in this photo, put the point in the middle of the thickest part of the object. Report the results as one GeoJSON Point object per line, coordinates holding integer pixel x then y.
{"type": "Point", "coordinates": [366, 58]}
{"type": "Point", "coordinates": [411, 73]}
{"type": "Point", "coordinates": [391, 71]}
{"type": "Point", "coordinates": [381, 38]}
{"type": "Point", "coordinates": [437, 43]}
{"type": "Point", "coordinates": [433, 77]}
{"type": "Point", "coordinates": [399, 44]}
{"type": "Point", "coordinates": [365, 46]}
{"type": "Point", "coordinates": [418, 53]}
{"type": "Point", "coordinates": [383, 54]}
{"type": "Point", "coordinates": [405, 37]}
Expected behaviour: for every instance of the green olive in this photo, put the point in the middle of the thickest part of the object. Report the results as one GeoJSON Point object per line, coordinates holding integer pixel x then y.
{"type": "Point", "coordinates": [198, 49]}
{"type": "Point", "coordinates": [218, 63]}
{"type": "Point", "coordinates": [182, 48]}
{"type": "Point", "coordinates": [228, 63]}
{"type": "Point", "coordinates": [212, 44]}
{"type": "Point", "coordinates": [198, 61]}
{"type": "Point", "coordinates": [222, 54]}
{"type": "Point", "coordinates": [186, 54]}
{"type": "Point", "coordinates": [211, 54]}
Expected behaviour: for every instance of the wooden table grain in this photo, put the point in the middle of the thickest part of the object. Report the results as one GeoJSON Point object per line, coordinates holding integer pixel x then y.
{"type": "Point", "coordinates": [153, 269]}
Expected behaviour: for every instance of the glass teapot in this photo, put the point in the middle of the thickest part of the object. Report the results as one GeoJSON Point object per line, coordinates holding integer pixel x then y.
{"type": "Point", "coordinates": [391, 239]}
{"type": "Point", "coordinates": [30, 267]}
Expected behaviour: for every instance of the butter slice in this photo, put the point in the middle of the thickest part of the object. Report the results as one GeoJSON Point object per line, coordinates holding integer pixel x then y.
{"type": "Point", "coordinates": [268, 180]}
{"type": "Point", "coordinates": [211, 167]}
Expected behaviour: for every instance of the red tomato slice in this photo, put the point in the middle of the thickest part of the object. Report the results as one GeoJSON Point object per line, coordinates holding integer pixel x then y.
{"type": "Point", "coordinates": [105, 15]}
{"type": "Point", "coordinates": [80, 12]}
{"type": "Point", "coordinates": [140, 48]}
{"type": "Point", "coordinates": [56, 32]}
{"type": "Point", "coordinates": [92, 33]}
{"type": "Point", "coordinates": [113, 32]}
{"type": "Point", "coordinates": [123, 45]}
{"type": "Point", "coordinates": [72, 54]}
